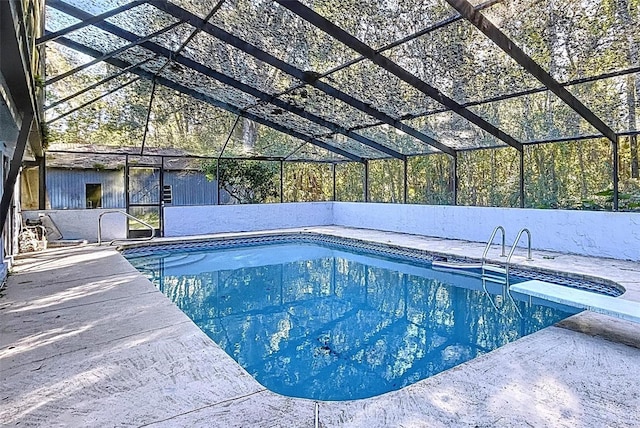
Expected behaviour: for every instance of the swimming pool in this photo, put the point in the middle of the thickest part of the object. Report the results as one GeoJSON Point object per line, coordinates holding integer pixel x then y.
{"type": "Point", "coordinates": [332, 319]}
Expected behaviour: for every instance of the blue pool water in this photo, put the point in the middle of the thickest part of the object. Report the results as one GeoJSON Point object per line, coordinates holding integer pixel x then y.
{"type": "Point", "coordinates": [317, 322]}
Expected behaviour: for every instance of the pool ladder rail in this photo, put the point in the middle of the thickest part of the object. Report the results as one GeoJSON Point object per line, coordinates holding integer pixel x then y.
{"type": "Point", "coordinates": [126, 214]}
{"type": "Point", "coordinates": [499, 274]}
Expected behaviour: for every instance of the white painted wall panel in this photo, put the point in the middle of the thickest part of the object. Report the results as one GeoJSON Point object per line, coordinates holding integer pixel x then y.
{"type": "Point", "coordinates": [83, 224]}
{"type": "Point", "coordinates": [183, 221]}
{"type": "Point", "coordinates": [603, 234]}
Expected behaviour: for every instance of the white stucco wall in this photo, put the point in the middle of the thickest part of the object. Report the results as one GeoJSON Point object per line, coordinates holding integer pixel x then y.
{"type": "Point", "coordinates": [83, 224]}
{"type": "Point", "coordinates": [604, 234]}
{"type": "Point", "coordinates": [183, 221]}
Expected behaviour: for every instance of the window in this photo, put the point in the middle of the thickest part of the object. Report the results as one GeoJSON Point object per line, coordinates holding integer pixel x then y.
{"type": "Point", "coordinates": [94, 195]}
{"type": "Point", "coordinates": [167, 194]}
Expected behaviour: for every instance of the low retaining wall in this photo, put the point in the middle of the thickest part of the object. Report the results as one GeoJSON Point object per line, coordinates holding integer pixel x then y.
{"type": "Point", "coordinates": [83, 224]}
{"type": "Point", "coordinates": [183, 221]}
{"type": "Point", "coordinates": [603, 234]}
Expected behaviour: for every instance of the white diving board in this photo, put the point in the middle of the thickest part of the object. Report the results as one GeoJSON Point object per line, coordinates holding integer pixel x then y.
{"type": "Point", "coordinates": [581, 299]}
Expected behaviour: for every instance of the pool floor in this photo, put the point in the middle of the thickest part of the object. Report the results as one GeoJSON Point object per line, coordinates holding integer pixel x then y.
{"type": "Point", "coordinates": [84, 334]}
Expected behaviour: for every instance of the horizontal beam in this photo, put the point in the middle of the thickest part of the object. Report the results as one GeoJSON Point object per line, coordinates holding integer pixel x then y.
{"type": "Point", "coordinates": [307, 77]}
{"type": "Point", "coordinates": [352, 42]}
{"type": "Point", "coordinates": [528, 92]}
{"type": "Point", "coordinates": [168, 157]}
{"type": "Point", "coordinates": [205, 98]}
{"type": "Point", "coordinates": [514, 51]}
{"type": "Point", "coordinates": [187, 62]}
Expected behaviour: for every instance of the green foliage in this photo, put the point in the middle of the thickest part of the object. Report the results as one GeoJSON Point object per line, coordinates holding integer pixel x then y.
{"type": "Point", "coordinates": [350, 182]}
{"type": "Point", "coordinates": [430, 180]}
{"type": "Point", "coordinates": [45, 135]}
{"type": "Point", "coordinates": [386, 181]}
{"type": "Point", "coordinates": [39, 81]}
{"type": "Point", "coordinates": [489, 178]}
{"type": "Point", "coordinates": [247, 182]}
{"type": "Point", "coordinates": [308, 182]}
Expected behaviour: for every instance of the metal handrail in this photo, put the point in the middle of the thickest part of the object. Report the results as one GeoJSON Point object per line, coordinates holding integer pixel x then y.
{"type": "Point", "coordinates": [493, 235]}
{"type": "Point", "coordinates": [126, 214]}
{"type": "Point", "coordinates": [515, 244]}
{"type": "Point", "coordinates": [513, 248]}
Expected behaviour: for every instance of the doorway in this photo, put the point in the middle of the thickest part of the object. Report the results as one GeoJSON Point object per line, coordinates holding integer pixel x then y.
{"type": "Point", "coordinates": [144, 199]}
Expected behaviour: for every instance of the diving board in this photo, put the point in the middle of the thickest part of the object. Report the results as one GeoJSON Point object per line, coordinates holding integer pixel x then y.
{"type": "Point", "coordinates": [581, 299]}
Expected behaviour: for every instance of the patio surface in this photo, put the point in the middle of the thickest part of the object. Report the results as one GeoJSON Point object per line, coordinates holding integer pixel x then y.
{"type": "Point", "coordinates": [88, 341]}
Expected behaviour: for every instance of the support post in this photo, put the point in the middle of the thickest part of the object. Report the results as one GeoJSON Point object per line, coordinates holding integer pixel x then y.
{"type": "Point", "coordinates": [127, 189]}
{"type": "Point", "coordinates": [161, 199]}
{"type": "Point", "coordinates": [616, 184]}
{"type": "Point", "coordinates": [333, 171]}
{"type": "Point", "coordinates": [146, 123]}
{"type": "Point", "coordinates": [405, 188]}
{"type": "Point", "coordinates": [281, 181]}
{"type": "Point", "coordinates": [14, 169]}
{"type": "Point", "coordinates": [366, 181]}
{"type": "Point", "coordinates": [218, 181]}
{"type": "Point", "coordinates": [220, 157]}
{"type": "Point", "coordinates": [454, 179]}
{"type": "Point", "coordinates": [521, 154]}
{"type": "Point", "coordinates": [42, 182]}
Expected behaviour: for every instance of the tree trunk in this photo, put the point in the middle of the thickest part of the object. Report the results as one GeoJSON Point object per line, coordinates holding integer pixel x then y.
{"type": "Point", "coordinates": [633, 82]}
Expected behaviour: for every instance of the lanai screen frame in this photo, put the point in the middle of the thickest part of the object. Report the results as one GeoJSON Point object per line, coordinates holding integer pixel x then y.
{"type": "Point", "coordinates": [199, 23]}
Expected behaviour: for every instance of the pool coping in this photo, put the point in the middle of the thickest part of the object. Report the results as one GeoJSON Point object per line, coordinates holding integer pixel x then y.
{"type": "Point", "coordinates": [375, 248]}
{"type": "Point", "coordinates": [485, 385]}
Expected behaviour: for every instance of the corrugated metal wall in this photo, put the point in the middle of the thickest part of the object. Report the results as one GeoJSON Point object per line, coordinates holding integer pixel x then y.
{"type": "Point", "coordinates": [191, 188]}
{"type": "Point", "coordinates": [66, 188]}
{"type": "Point", "coordinates": [144, 185]}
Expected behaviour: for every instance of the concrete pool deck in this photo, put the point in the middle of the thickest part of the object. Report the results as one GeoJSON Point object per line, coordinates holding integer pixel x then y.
{"type": "Point", "coordinates": [88, 341]}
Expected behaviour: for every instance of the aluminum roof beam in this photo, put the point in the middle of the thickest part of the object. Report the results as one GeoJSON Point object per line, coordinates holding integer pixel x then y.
{"type": "Point", "coordinates": [192, 35]}
{"type": "Point", "coordinates": [111, 54]}
{"type": "Point", "coordinates": [207, 99]}
{"type": "Point", "coordinates": [307, 77]}
{"type": "Point", "coordinates": [510, 48]}
{"type": "Point", "coordinates": [95, 85]}
{"type": "Point", "coordinates": [528, 92]}
{"type": "Point", "coordinates": [84, 23]}
{"type": "Point", "coordinates": [341, 35]}
{"type": "Point", "coordinates": [93, 100]}
{"type": "Point", "coordinates": [162, 51]}
{"type": "Point", "coordinates": [431, 28]}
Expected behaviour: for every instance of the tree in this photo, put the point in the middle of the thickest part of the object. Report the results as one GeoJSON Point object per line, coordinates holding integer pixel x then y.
{"type": "Point", "coordinates": [246, 181]}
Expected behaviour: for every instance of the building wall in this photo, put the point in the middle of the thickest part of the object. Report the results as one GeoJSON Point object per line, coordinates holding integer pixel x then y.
{"type": "Point", "coordinates": [66, 188]}
{"type": "Point", "coordinates": [191, 188]}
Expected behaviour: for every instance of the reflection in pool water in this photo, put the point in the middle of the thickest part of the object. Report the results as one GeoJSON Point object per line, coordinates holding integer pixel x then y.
{"type": "Point", "coordinates": [315, 322]}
